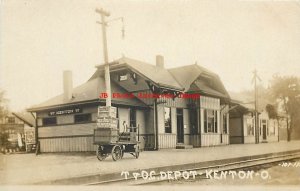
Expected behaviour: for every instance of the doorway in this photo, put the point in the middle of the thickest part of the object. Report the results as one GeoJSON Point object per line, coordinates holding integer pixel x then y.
{"type": "Point", "coordinates": [264, 129]}
{"type": "Point", "coordinates": [180, 128]}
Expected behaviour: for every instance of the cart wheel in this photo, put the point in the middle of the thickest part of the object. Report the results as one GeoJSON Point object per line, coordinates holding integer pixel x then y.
{"type": "Point", "coordinates": [122, 154]}
{"type": "Point", "coordinates": [137, 152]}
{"type": "Point", "coordinates": [100, 153]}
{"type": "Point", "coordinates": [116, 153]}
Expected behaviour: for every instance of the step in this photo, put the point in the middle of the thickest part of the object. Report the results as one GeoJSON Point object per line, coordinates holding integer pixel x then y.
{"type": "Point", "coordinates": [182, 146]}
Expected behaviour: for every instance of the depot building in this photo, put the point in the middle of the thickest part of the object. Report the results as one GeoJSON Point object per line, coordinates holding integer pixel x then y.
{"type": "Point", "coordinates": [66, 122]}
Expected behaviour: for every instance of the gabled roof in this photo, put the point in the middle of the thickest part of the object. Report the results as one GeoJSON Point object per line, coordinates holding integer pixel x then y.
{"type": "Point", "coordinates": [203, 87]}
{"type": "Point", "coordinates": [158, 75]}
{"type": "Point", "coordinates": [88, 91]}
{"type": "Point", "coordinates": [178, 79]}
{"type": "Point", "coordinates": [188, 75]}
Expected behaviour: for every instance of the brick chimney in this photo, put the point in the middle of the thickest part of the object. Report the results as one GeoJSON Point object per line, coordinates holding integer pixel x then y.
{"type": "Point", "coordinates": [159, 61]}
{"type": "Point", "coordinates": [67, 85]}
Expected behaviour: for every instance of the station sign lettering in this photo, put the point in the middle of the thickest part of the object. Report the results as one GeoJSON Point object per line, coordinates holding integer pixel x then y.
{"type": "Point", "coordinates": [65, 111]}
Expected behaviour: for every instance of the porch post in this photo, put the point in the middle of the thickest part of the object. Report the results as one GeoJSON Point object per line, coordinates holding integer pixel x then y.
{"type": "Point", "coordinates": [155, 125]}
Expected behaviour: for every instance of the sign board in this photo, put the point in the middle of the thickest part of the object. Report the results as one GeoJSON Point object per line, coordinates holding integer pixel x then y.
{"type": "Point", "coordinates": [107, 125]}
{"type": "Point", "coordinates": [122, 77]}
{"type": "Point", "coordinates": [104, 111]}
{"type": "Point", "coordinates": [29, 136]}
{"type": "Point", "coordinates": [107, 120]}
{"type": "Point", "coordinates": [65, 111]}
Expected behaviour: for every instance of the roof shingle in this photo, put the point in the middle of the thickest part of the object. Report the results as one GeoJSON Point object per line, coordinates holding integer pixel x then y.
{"type": "Point", "coordinates": [88, 91]}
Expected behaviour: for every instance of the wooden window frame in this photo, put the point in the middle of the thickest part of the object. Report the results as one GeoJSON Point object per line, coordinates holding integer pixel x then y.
{"type": "Point", "coordinates": [214, 121]}
{"type": "Point", "coordinates": [49, 118]}
{"type": "Point", "coordinates": [225, 123]}
{"type": "Point", "coordinates": [168, 128]}
{"type": "Point", "coordinates": [83, 121]}
{"type": "Point", "coordinates": [132, 119]}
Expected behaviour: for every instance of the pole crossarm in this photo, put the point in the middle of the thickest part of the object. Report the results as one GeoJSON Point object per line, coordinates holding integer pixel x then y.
{"type": "Point", "coordinates": [102, 12]}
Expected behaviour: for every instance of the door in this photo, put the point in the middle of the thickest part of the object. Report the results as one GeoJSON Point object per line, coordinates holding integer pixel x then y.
{"type": "Point", "coordinates": [124, 119]}
{"type": "Point", "coordinates": [180, 129]}
{"type": "Point", "coordinates": [264, 131]}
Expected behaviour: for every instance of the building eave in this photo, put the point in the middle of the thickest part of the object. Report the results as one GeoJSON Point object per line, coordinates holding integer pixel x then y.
{"type": "Point", "coordinates": [36, 109]}
{"type": "Point", "coordinates": [22, 119]}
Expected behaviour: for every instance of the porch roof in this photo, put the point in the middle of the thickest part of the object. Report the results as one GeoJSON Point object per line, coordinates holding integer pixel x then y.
{"type": "Point", "coordinates": [26, 117]}
{"type": "Point", "coordinates": [240, 107]}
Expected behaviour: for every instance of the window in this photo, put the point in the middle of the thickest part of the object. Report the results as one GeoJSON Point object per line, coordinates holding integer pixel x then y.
{"type": "Point", "coordinates": [81, 118]}
{"type": "Point", "coordinates": [11, 120]}
{"type": "Point", "coordinates": [168, 120]}
{"type": "Point", "coordinates": [205, 121]}
{"type": "Point", "coordinates": [216, 121]}
{"type": "Point", "coordinates": [49, 121]}
{"type": "Point", "coordinates": [210, 121]}
{"type": "Point", "coordinates": [225, 123]}
{"type": "Point", "coordinates": [132, 116]}
{"type": "Point", "coordinates": [250, 126]}
{"type": "Point", "coordinates": [272, 126]}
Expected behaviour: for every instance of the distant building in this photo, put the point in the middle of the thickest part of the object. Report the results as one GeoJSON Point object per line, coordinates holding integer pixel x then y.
{"type": "Point", "coordinates": [242, 125]}
{"type": "Point", "coordinates": [14, 128]}
{"type": "Point", "coordinates": [29, 129]}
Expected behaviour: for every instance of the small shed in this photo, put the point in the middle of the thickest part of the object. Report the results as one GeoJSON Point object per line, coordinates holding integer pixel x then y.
{"type": "Point", "coordinates": [242, 125]}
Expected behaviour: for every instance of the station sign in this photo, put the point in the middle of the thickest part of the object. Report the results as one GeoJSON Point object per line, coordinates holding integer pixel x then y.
{"type": "Point", "coordinates": [65, 111]}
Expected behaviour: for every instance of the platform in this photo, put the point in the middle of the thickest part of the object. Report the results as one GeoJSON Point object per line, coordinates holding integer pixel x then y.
{"type": "Point", "coordinates": [46, 168]}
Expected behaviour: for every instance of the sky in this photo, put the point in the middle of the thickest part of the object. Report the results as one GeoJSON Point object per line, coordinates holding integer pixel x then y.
{"type": "Point", "coordinates": [41, 39]}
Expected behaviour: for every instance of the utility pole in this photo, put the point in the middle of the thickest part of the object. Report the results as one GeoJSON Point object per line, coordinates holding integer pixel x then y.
{"type": "Point", "coordinates": [104, 14]}
{"type": "Point", "coordinates": [255, 77]}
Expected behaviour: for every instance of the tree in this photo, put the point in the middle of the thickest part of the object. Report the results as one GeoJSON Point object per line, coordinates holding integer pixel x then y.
{"type": "Point", "coordinates": [247, 96]}
{"type": "Point", "coordinates": [286, 90]}
{"type": "Point", "coordinates": [3, 113]}
{"type": "Point", "coordinates": [3, 106]}
{"type": "Point", "coordinates": [272, 112]}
